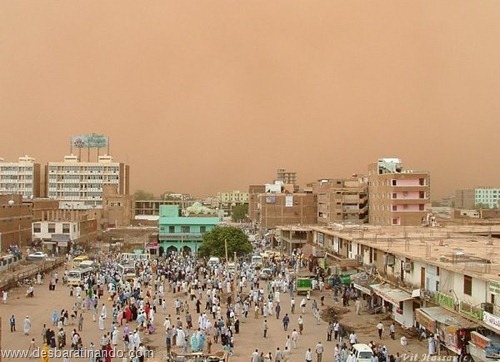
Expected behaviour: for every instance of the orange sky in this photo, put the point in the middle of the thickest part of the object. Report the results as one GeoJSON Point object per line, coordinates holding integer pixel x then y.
{"type": "Point", "coordinates": [207, 96]}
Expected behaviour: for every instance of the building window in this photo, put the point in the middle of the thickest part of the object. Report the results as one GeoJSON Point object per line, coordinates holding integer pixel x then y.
{"type": "Point", "coordinates": [203, 229]}
{"type": "Point", "coordinates": [394, 183]}
{"type": "Point", "coordinates": [421, 207]}
{"type": "Point", "coordinates": [184, 229]}
{"type": "Point", "coordinates": [66, 228]}
{"type": "Point", "coordinates": [51, 228]}
{"type": "Point", "coordinates": [394, 195]}
{"type": "Point", "coordinates": [171, 229]}
{"type": "Point", "coordinates": [467, 285]}
{"type": "Point", "coordinates": [37, 228]}
{"type": "Point", "coordinates": [421, 181]}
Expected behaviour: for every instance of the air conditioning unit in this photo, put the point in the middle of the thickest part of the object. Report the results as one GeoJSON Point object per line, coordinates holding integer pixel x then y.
{"type": "Point", "coordinates": [407, 266]}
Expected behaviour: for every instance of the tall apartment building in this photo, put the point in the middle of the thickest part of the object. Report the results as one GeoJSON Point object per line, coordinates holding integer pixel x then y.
{"type": "Point", "coordinates": [22, 177]}
{"type": "Point", "coordinates": [397, 196]}
{"type": "Point", "coordinates": [342, 200]}
{"type": "Point", "coordinates": [480, 196]}
{"type": "Point", "coordinates": [79, 185]}
{"type": "Point", "coordinates": [287, 178]}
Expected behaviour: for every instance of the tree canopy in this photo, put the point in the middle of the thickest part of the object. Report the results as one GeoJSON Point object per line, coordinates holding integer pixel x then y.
{"type": "Point", "coordinates": [239, 212]}
{"type": "Point", "coordinates": [213, 242]}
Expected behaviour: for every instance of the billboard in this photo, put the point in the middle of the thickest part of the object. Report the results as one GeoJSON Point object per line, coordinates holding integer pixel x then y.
{"type": "Point", "coordinates": [289, 201]}
{"type": "Point", "coordinates": [89, 141]}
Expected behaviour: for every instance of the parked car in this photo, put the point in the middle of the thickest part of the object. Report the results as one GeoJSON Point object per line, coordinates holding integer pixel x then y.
{"type": "Point", "coordinates": [37, 256]}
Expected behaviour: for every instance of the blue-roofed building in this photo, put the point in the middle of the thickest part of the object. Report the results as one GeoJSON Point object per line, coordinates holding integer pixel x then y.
{"type": "Point", "coordinates": [184, 232]}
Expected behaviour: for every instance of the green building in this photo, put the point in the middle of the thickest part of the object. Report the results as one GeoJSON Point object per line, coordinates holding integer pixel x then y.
{"type": "Point", "coordinates": [177, 232]}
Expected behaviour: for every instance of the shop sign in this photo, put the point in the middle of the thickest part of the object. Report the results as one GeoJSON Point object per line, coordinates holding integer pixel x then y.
{"type": "Point", "coordinates": [321, 238]}
{"type": "Point", "coordinates": [479, 340]}
{"type": "Point", "coordinates": [491, 320]}
{"type": "Point", "coordinates": [427, 322]}
{"type": "Point", "coordinates": [444, 300]}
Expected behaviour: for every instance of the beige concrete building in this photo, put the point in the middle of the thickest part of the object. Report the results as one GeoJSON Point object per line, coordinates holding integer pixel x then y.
{"type": "Point", "coordinates": [22, 177]}
{"type": "Point", "coordinates": [253, 192]}
{"type": "Point", "coordinates": [81, 184]}
{"type": "Point", "coordinates": [15, 225]}
{"type": "Point", "coordinates": [117, 209]}
{"type": "Point", "coordinates": [342, 200]}
{"type": "Point", "coordinates": [397, 196]}
{"type": "Point", "coordinates": [287, 177]}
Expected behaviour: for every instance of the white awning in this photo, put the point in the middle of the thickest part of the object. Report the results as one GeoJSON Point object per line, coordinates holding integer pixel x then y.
{"type": "Point", "coordinates": [392, 295]}
{"type": "Point", "coordinates": [362, 288]}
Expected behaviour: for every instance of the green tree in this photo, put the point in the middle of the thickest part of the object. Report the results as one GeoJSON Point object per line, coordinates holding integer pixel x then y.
{"type": "Point", "coordinates": [214, 242]}
{"type": "Point", "coordinates": [143, 195]}
{"type": "Point", "coordinates": [239, 212]}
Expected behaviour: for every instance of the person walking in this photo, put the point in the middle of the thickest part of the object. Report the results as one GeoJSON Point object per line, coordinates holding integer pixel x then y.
{"type": "Point", "coordinates": [26, 325]}
{"type": "Point", "coordinates": [295, 338]}
{"type": "Point", "coordinates": [357, 306]}
{"type": "Point", "coordinates": [292, 305]}
{"type": "Point", "coordinates": [303, 304]}
{"type": "Point", "coordinates": [329, 331]}
{"type": "Point", "coordinates": [265, 328]}
{"type": "Point", "coordinates": [12, 322]}
{"type": "Point", "coordinates": [288, 343]}
{"type": "Point", "coordinates": [278, 355]}
{"type": "Point", "coordinates": [309, 355]}
{"type": "Point", "coordinates": [392, 330]}
{"type": "Point", "coordinates": [380, 329]}
{"type": "Point", "coordinates": [286, 321]}
{"type": "Point", "coordinates": [319, 352]}
{"type": "Point", "coordinates": [277, 309]}
{"type": "Point", "coordinates": [300, 322]}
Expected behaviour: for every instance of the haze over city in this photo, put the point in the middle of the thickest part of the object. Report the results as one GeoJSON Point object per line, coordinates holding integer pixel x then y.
{"type": "Point", "coordinates": [201, 97]}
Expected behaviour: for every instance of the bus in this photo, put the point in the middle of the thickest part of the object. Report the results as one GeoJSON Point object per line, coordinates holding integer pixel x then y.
{"type": "Point", "coordinates": [126, 272]}
{"type": "Point", "coordinates": [78, 276]}
{"type": "Point", "coordinates": [133, 257]}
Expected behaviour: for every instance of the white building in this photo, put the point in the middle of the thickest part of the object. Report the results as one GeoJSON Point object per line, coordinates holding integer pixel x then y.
{"type": "Point", "coordinates": [22, 177]}
{"type": "Point", "coordinates": [487, 196]}
{"type": "Point", "coordinates": [79, 185]}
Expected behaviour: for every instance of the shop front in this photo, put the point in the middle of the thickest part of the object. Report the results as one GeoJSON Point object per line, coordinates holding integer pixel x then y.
{"type": "Point", "coordinates": [453, 330]}
{"type": "Point", "coordinates": [398, 302]}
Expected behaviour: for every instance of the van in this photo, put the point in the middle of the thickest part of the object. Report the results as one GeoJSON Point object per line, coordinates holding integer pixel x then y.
{"type": "Point", "coordinates": [79, 259]}
{"type": "Point", "coordinates": [213, 261]}
{"type": "Point", "coordinates": [362, 352]}
{"type": "Point", "coordinates": [231, 267]}
{"type": "Point", "coordinates": [78, 276]}
{"type": "Point", "coordinates": [88, 264]}
{"type": "Point", "coordinates": [257, 261]}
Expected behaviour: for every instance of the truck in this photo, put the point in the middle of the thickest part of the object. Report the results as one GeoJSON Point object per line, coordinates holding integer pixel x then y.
{"type": "Point", "coordinates": [303, 284]}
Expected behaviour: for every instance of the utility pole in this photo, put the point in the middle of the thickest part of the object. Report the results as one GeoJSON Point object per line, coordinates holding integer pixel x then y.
{"type": "Point", "coordinates": [235, 278]}
{"type": "Point", "coordinates": [225, 247]}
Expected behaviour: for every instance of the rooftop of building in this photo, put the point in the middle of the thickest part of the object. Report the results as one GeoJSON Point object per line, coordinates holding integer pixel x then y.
{"type": "Point", "coordinates": [463, 248]}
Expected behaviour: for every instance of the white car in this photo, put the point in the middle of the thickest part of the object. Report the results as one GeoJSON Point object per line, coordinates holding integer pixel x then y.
{"type": "Point", "coordinates": [37, 256]}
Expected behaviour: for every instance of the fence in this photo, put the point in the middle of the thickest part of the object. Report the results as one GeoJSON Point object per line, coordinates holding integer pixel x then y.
{"type": "Point", "coordinates": [31, 272]}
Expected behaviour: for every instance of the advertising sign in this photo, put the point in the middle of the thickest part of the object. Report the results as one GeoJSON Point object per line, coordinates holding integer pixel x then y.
{"type": "Point", "coordinates": [89, 141]}
{"type": "Point", "coordinates": [289, 201]}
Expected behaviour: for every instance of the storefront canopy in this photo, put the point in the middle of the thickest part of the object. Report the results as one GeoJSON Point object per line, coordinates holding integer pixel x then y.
{"type": "Point", "coordinates": [444, 316]}
{"type": "Point", "coordinates": [393, 295]}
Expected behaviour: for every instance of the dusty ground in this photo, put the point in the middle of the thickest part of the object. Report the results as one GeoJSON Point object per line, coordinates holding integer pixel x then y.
{"type": "Point", "coordinates": [40, 310]}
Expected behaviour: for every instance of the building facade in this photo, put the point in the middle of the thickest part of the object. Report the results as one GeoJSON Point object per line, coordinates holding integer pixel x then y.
{"type": "Point", "coordinates": [81, 184]}
{"type": "Point", "coordinates": [397, 196]}
{"type": "Point", "coordinates": [16, 218]}
{"type": "Point", "coordinates": [412, 271]}
{"type": "Point", "coordinates": [22, 177]}
{"type": "Point", "coordinates": [480, 197]}
{"type": "Point", "coordinates": [342, 200]}
{"type": "Point", "coordinates": [287, 177]}
{"type": "Point", "coordinates": [274, 209]}
{"type": "Point", "coordinates": [182, 233]}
